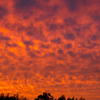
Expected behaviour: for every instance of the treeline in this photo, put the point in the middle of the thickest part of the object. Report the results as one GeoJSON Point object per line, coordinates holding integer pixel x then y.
{"type": "Point", "coordinates": [14, 97]}
{"type": "Point", "coordinates": [44, 96]}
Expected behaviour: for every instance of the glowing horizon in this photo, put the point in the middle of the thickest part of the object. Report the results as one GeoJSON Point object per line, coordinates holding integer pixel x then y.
{"type": "Point", "coordinates": [52, 46]}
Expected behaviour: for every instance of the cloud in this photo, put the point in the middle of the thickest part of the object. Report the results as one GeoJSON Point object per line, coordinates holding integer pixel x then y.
{"type": "Point", "coordinates": [95, 62]}
{"type": "Point", "coordinates": [96, 17]}
{"type": "Point", "coordinates": [60, 51]}
{"type": "Point", "coordinates": [94, 37]}
{"type": "Point", "coordinates": [68, 46]}
{"type": "Point", "coordinates": [52, 27]}
{"type": "Point", "coordinates": [72, 5]}
{"type": "Point", "coordinates": [86, 56]}
{"type": "Point", "coordinates": [32, 54]}
{"type": "Point", "coordinates": [3, 12]}
{"type": "Point", "coordinates": [36, 33]}
{"type": "Point", "coordinates": [5, 38]}
{"type": "Point", "coordinates": [73, 67]}
{"type": "Point", "coordinates": [26, 5]}
{"type": "Point", "coordinates": [58, 40]}
{"type": "Point", "coordinates": [47, 44]}
{"type": "Point", "coordinates": [71, 53]}
{"type": "Point", "coordinates": [90, 71]}
{"type": "Point", "coordinates": [11, 45]}
{"type": "Point", "coordinates": [27, 43]}
{"type": "Point", "coordinates": [69, 36]}
{"type": "Point", "coordinates": [70, 21]}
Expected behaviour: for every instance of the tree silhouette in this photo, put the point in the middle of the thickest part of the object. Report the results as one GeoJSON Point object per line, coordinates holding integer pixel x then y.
{"type": "Point", "coordinates": [76, 99]}
{"type": "Point", "coordinates": [45, 96]}
{"type": "Point", "coordinates": [70, 98]}
{"type": "Point", "coordinates": [81, 98]}
{"type": "Point", "coordinates": [62, 97]}
{"type": "Point", "coordinates": [14, 97]}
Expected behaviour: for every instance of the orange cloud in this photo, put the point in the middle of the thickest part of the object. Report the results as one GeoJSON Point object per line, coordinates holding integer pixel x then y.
{"type": "Point", "coordinates": [50, 45]}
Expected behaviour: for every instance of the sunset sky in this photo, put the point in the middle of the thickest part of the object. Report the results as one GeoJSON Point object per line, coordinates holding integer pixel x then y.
{"type": "Point", "coordinates": [50, 46]}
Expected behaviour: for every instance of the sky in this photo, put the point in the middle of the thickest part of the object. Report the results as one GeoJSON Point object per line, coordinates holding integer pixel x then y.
{"type": "Point", "coordinates": [50, 46]}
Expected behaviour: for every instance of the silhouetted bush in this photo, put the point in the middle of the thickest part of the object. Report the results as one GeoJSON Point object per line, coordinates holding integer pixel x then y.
{"type": "Point", "coordinates": [47, 96]}
{"type": "Point", "coordinates": [14, 97]}
{"type": "Point", "coordinates": [70, 98]}
{"type": "Point", "coordinates": [81, 98]}
{"type": "Point", "coordinates": [62, 97]}
{"type": "Point", "coordinates": [44, 96]}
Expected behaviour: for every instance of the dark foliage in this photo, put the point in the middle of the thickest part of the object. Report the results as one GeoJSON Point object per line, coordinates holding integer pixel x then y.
{"type": "Point", "coordinates": [48, 96]}
{"type": "Point", "coordinates": [44, 96]}
{"type": "Point", "coordinates": [14, 97]}
{"type": "Point", "coordinates": [62, 98]}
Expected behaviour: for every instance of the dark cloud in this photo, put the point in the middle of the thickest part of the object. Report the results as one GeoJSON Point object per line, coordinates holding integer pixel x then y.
{"type": "Point", "coordinates": [73, 67]}
{"type": "Point", "coordinates": [54, 69]}
{"type": "Point", "coordinates": [98, 57]}
{"type": "Point", "coordinates": [6, 61]}
{"type": "Point", "coordinates": [45, 46]}
{"type": "Point", "coordinates": [72, 73]}
{"type": "Point", "coordinates": [60, 57]}
{"type": "Point", "coordinates": [23, 68]}
{"type": "Point", "coordinates": [27, 43]}
{"type": "Point", "coordinates": [94, 37]}
{"type": "Point", "coordinates": [3, 12]}
{"type": "Point", "coordinates": [44, 17]}
{"type": "Point", "coordinates": [96, 70]}
{"type": "Point", "coordinates": [11, 45]}
{"type": "Point", "coordinates": [32, 54]}
{"type": "Point", "coordinates": [47, 1]}
{"type": "Point", "coordinates": [5, 38]}
{"type": "Point", "coordinates": [41, 37]}
{"type": "Point", "coordinates": [86, 56]}
{"type": "Point", "coordinates": [94, 62]}
{"type": "Point", "coordinates": [8, 71]}
{"type": "Point", "coordinates": [26, 4]}
{"type": "Point", "coordinates": [72, 5]}
{"type": "Point", "coordinates": [58, 40]}
{"type": "Point", "coordinates": [90, 46]}
{"type": "Point", "coordinates": [50, 9]}
{"type": "Point", "coordinates": [36, 33]}
{"type": "Point", "coordinates": [52, 54]}
{"type": "Point", "coordinates": [68, 46]}
{"type": "Point", "coordinates": [85, 2]}
{"type": "Point", "coordinates": [79, 85]}
{"type": "Point", "coordinates": [30, 33]}
{"type": "Point", "coordinates": [28, 15]}
{"type": "Point", "coordinates": [91, 71]}
{"type": "Point", "coordinates": [27, 75]}
{"type": "Point", "coordinates": [47, 71]}
{"type": "Point", "coordinates": [38, 52]}
{"type": "Point", "coordinates": [70, 21]}
{"type": "Point", "coordinates": [55, 8]}
{"type": "Point", "coordinates": [69, 36]}
{"type": "Point", "coordinates": [52, 27]}
{"type": "Point", "coordinates": [12, 55]}
{"type": "Point", "coordinates": [60, 51]}
{"type": "Point", "coordinates": [71, 53]}
{"type": "Point", "coordinates": [71, 78]}
{"type": "Point", "coordinates": [96, 17]}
